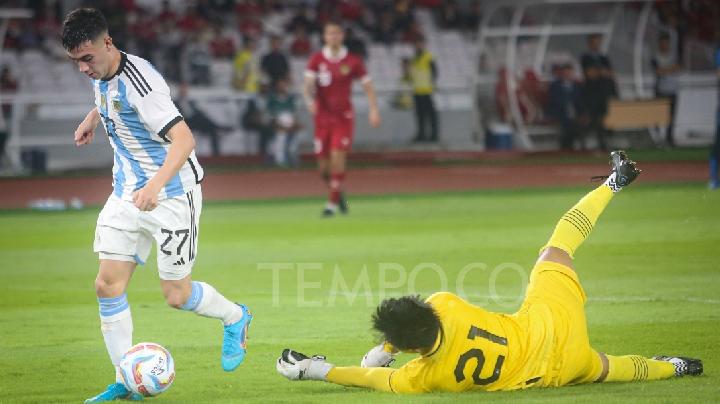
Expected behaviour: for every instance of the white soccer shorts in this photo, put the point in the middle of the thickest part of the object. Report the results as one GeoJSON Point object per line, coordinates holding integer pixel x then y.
{"type": "Point", "coordinates": [124, 233]}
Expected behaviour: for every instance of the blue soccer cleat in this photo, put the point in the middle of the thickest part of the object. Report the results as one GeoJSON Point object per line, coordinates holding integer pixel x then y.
{"type": "Point", "coordinates": [234, 341]}
{"type": "Point", "coordinates": [115, 391]}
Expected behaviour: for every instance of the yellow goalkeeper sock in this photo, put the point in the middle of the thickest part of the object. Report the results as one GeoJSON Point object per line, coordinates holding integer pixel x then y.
{"type": "Point", "coordinates": [577, 223]}
{"type": "Point", "coordinates": [635, 368]}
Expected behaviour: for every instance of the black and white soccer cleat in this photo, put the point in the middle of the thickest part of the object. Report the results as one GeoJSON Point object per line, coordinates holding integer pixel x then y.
{"type": "Point", "coordinates": [683, 366]}
{"type": "Point", "coordinates": [625, 169]}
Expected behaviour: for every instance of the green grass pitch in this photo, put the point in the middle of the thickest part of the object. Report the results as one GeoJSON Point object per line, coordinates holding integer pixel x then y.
{"type": "Point", "coordinates": [650, 269]}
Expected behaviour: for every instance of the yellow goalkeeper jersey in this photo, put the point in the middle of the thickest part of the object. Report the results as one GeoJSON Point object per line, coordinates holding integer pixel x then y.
{"type": "Point", "coordinates": [544, 344]}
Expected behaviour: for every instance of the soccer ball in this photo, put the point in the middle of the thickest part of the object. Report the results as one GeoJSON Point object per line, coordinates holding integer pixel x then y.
{"type": "Point", "coordinates": [147, 369]}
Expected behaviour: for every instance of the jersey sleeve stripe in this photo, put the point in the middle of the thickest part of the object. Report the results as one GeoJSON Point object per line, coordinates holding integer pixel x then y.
{"type": "Point", "coordinates": [365, 79]}
{"type": "Point", "coordinates": [194, 170]}
{"type": "Point", "coordinates": [163, 132]}
{"type": "Point", "coordinates": [140, 90]}
{"type": "Point", "coordinates": [132, 67]}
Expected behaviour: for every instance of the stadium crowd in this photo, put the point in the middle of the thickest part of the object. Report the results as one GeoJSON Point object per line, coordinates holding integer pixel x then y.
{"type": "Point", "coordinates": [197, 32]}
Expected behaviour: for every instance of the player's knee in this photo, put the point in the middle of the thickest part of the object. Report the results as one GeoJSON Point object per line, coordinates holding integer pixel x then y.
{"type": "Point", "coordinates": [105, 288]}
{"type": "Point", "coordinates": [554, 254]}
{"type": "Point", "coordinates": [176, 299]}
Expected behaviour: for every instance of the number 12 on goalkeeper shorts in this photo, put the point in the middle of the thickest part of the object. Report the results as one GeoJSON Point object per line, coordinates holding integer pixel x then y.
{"type": "Point", "coordinates": [179, 243]}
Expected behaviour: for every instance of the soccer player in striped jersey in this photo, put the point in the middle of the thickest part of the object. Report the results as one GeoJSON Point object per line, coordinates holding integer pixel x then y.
{"type": "Point", "coordinates": [463, 347]}
{"type": "Point", "coordinates": [156, 194]}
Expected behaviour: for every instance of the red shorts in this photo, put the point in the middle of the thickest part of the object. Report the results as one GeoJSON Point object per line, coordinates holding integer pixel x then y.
{"type": "Point", "coordinates": [333, 133]}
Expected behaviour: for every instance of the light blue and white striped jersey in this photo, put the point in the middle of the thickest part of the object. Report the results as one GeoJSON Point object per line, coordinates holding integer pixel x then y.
{"type": "Point", "coordinates": [137, 113]}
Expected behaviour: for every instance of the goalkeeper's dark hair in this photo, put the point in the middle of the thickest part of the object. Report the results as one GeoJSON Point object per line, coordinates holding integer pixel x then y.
{"type": "Point", "coordinates": [407, 322]}
{"type": "Point", "coordinates": [82, 25]}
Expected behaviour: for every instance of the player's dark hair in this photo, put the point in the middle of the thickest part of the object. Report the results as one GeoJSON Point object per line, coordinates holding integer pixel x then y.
{"type": "Point", "coordinates": [407, 322]}
{"type": "Point", "coordinates": [335, 23]}
{"type": "Point", "coordinates": [82, 25]}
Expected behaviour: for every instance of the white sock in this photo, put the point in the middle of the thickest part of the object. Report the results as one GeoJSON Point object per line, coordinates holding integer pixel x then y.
{"type": "Point", "coordinates": [117, 328]}
{"type": "Point", "coordinates": [208, 302]}
{"type": "Point", "coordinates": [612, 184]}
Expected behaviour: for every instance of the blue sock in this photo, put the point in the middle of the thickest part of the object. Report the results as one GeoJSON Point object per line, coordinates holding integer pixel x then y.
{"type": "Point", "coordinates": [714, 170]}
{"type": "Point", "coordinates": [196, 295]}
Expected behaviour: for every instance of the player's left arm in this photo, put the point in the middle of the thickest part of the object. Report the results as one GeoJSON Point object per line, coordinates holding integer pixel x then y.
{"type": "Point", "coordinates": [374, 113]}
{"type": "Point", "coordinates": [182, 145]}
{"type": "Point", "coordinates": [361, 73]}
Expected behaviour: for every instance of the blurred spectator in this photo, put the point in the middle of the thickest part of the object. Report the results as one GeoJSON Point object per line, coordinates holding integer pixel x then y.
{"type": "Point", "coordinates": [448, 15]}
{"type": "Point", "coordinates": [403, 98]}
{"type": "Point", "coordinates": [301, 45]}
{"type": "Point", "coordinates": [528, 109]}
{"type": "Point", "coordinates": [245, 8]}
{"type": "Point", "coordinates": [196, 60]}
{"type": "Point", "coordinates": [170, 41]}
{"type": "Point", "coordinates": [667, 68]}
{"type": "Point", "coordinates": [250, 26]}
{"type": "Point", "coordinates": [595, 58]}
{"type": "Point", "coordinates": [384, 29]}
{"type": "Point", "coordinates": [144, 36]}
{"type": "Point", "coordinates": [423, 73]}
{"type": "Point", "coordinates": [7, 85]}
{"type": "Point", "coordinates": [282, 109]}
{"type": "Point", "coordinates": [354, 44]}
{"type": "Point", "coordinates": [413, 33]}
{"type": "Point", "coordinates": [275, 64]}
{"type": "Point", "coordinates": [564, 105]}
{"type": "Point", "coordinates": [198, 121]}
{"type": "Point", "coordinates": [536, 95]}
{"type": "Point", "coordinates": [301, 18]}
{"type": "Point", "coordinates": [715, 151]}
{"type": "Point", "coordinates": [190, 21]}
{"type": "Point", "coordinates": [115, 13]}
{"type": "Point", "coordinates": [246, 75]}
{"type": "Point", "coordinates": [247, 79]}
{"type": "Point", "coordinates": [326, 10]}
{"type": "Point", "coordinates": [167, 14]}
{"type": "Point", "coordinates": [595, 96]}
{"type": "Point", "coordinates": [472, 17]}
{"type": "Point", "coordinates": [221, 45]}
{"type": "Point", "coordinates": [351, 10]}
{"type": "Point", "coordinates": [403, 15]}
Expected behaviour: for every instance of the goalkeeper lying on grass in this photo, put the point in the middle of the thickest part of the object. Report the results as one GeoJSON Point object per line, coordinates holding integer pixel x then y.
{"type": "Point", "coordinates": [463, 347]}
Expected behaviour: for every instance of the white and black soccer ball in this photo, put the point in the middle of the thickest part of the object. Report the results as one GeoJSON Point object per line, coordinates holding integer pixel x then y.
{"type": "Point", "coordinates": [147, 369]}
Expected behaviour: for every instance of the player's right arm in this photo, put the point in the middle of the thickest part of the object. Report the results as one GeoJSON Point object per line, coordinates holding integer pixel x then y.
{"type": "Point", "coordinates": [86, 130]}
{"type": "Point", "coordinates": [309, 94]}
{"type": "Point", "coordinates": [370, 378]}
{"type": "Point", "coordinates": [309, 85]}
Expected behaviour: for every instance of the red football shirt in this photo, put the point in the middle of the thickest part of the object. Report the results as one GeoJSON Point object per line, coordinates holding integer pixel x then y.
{"type": "Point", "coordinates": [333, 79]}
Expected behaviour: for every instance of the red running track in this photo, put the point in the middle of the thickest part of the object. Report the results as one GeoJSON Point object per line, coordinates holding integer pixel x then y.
{"type": "Point", "coordinates": [243, 185]}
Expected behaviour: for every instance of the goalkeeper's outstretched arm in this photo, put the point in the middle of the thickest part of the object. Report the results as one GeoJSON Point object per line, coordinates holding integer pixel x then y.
{"type": "Point", "coordinates": [298, 366]}
{"type": "Point", "coordinates": [353, 376]}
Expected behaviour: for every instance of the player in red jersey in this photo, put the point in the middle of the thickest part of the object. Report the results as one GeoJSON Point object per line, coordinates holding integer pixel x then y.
{"type": "Point", "coordinates": [327, 91]}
